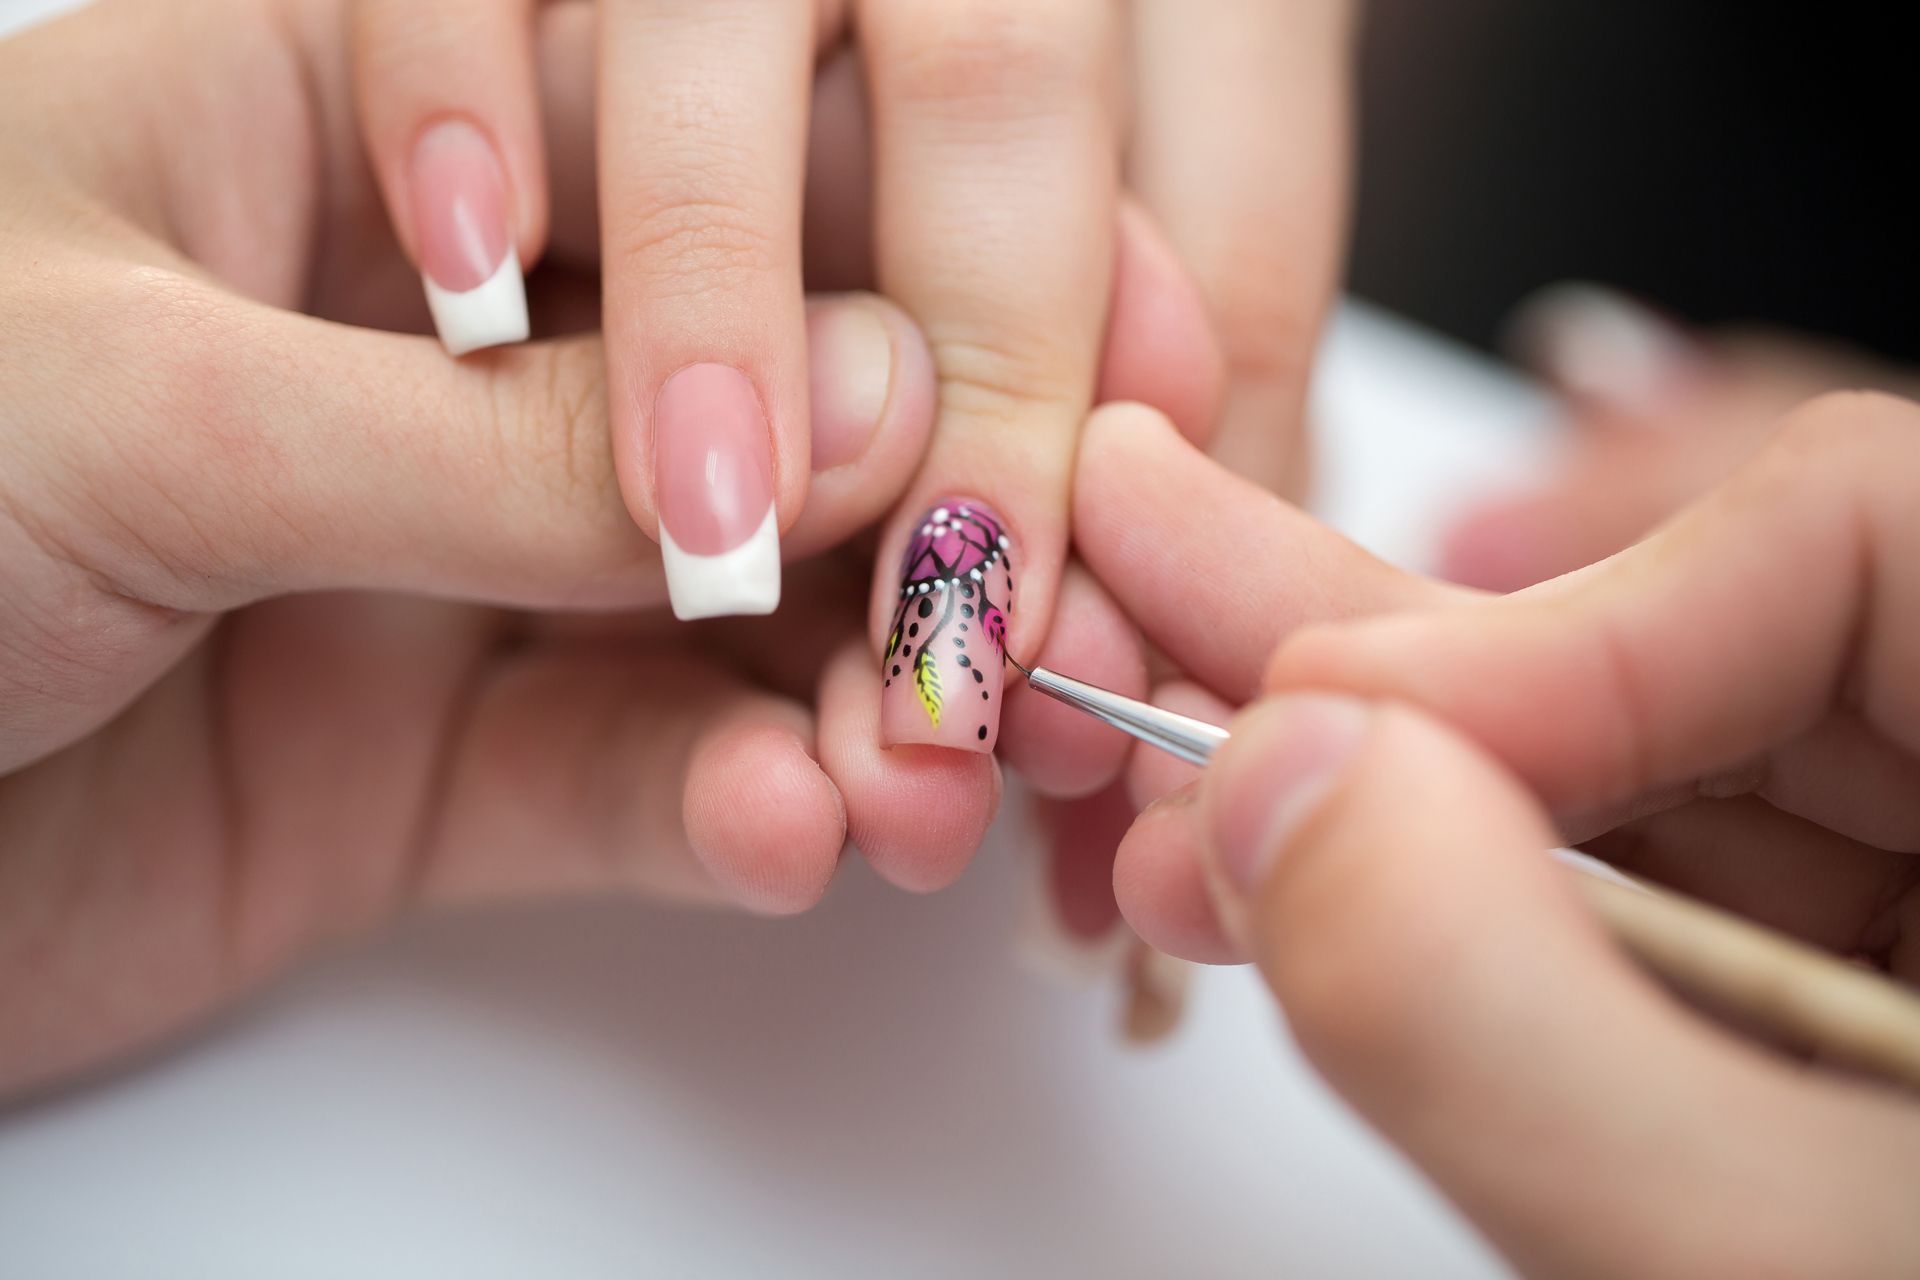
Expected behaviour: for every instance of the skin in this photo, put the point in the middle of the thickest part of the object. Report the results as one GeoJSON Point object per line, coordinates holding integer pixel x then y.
{"type": "Point", "coordinates": [991, 142]}
{"type": "Point", "coordinates": [264, 547]}
{"type": "Point", "coordinates": [1401, 909]}
{"type": "Point", "coordinates": [1635, 460]}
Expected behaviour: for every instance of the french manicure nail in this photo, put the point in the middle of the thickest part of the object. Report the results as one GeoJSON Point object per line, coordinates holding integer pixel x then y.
{"type": "Point", "coordinates": [1273, 774]}
{"type": "Point", "coordinates": [713, 483]}
{"type": "Point", "coordinates": [941, 678]}
{"type": "Point", "coordinates": [1598, 344]}
{"type": "Point", "coordinates": [467, 258]}
{"type": "Point", "coordinates": [850, 373]}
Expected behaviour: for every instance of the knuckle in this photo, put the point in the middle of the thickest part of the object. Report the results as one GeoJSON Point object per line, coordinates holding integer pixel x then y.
{"type": "Point", "coordinates": [547, 430]}
{"type": "Point", "coordinates": [998, 379]}
{"type": "Point", "coordinates": [999, 61]}
{"type": "Point", "coordinates": [686, 243]}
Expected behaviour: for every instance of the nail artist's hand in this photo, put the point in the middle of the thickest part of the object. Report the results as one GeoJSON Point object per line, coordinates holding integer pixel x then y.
{"type": "Point", "coordinates": [241, 710]}
{"type": "Point", "coordinates": [1731, 707]}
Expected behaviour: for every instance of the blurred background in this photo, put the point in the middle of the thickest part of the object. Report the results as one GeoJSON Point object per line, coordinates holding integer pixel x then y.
{"type": "Point", "coordinates": [1729, 162]}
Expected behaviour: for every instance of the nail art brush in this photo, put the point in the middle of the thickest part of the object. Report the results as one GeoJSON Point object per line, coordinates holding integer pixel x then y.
{"type": "Point", "coordinates": [1809, 1000]}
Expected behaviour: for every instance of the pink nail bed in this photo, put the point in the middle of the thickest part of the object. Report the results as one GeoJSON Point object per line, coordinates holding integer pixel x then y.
{"type": "Point", "coordinates": [941, 679]}
{"type": "Point", "coordinates": [713, 483]}
{"type": "Point", "coordinates": [462, 221]}
{"type": "Point", "coordinates": [459, 206]}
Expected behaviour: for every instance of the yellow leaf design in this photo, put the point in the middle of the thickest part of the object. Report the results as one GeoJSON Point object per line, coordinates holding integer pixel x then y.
{"type": "Point", "coordinates": [926, 681]}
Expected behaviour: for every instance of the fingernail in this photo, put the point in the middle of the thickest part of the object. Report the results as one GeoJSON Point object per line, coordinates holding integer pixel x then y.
{"type": "Point", "coordinates": [1267, 781]}
{"type": "Point", "coordinates": [941, 677]}
{"type": "Point", "coordinates": [467, 257]}
{"type": "Point", "coordinates": [713, 482]}
{"type": "Point", "coordinates": [850, 372]}
{"type": "Point", "coordinates": [1597, 344]}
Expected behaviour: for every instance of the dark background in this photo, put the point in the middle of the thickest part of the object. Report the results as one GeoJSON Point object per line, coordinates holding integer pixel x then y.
{"type": "Point", "coordinates": [1732, 162]}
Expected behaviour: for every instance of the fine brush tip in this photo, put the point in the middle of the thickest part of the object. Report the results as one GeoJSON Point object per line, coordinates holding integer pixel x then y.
{"type": "Point", "coordinates": [1025, 671]}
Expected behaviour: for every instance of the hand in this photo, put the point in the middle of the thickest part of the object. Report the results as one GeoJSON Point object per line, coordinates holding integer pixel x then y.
{"type": "Point", "coordinates": [216, 746]}
{"type": "Point", "coordinates": [1730, 708]}
{"type": "Point", "coordinates": [1657, 416]}
{"type": "Point", "coordinates": [990, 210]}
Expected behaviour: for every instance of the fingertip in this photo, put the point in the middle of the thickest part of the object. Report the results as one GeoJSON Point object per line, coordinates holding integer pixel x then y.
{"type": "Point", "coordinates": [871, 397]}
{"type": "Point", "coordinates": [916, 813]}
{"type": "Point", "coordinates": [871, 381]}
{"type": "Point", "coordinates": [1160, 346]}
{"type": "Point", "coordinates": [764, 819]}
{"type": "Point", "coordinates": [1160, 884]}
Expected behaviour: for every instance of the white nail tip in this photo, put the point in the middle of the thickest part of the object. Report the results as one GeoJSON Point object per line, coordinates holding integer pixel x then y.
{"type": "Point", "coordinates": [745, 580]}
{"type": "Point", "coordinates": [489, 314]}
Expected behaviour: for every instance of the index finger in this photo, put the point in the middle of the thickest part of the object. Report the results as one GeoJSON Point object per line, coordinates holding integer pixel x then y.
{"type": "Point", "coordinates": [1785, 593]}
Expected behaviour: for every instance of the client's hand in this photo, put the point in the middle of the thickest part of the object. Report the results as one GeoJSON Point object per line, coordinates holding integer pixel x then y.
{"type": "Point", "coordinates": [224, 734]}
{"type": "Point", "coordinates": [217, 744]}
{"type": "Point", "coordinates": [1731, 708]}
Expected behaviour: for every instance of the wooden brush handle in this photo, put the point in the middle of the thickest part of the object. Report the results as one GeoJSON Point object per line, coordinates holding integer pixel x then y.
{"type": "Point", "coordinates": [1850, 1016]}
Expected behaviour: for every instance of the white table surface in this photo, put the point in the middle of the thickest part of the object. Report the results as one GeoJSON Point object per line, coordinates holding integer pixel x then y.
{"type": "Point", "coordinates": [876, 1089]}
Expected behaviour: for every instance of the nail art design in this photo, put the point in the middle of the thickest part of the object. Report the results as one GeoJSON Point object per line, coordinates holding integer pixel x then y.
{"type": "Point", "coordinates": [941, 678]}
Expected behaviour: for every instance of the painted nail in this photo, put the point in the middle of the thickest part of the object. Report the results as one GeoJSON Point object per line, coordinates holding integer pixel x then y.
{"type": "Point", "coordinates": [467, 257]}
{"type": "Point", "coordinates": [1598, 344]}
{"type": "Point", "coordinates": [850, 373]}
{"type": "Point", "coordinates": [1282, 762]}
{"type": "Point", "coordinates": [713, 482]}
{"type": "Point", "coordinates": [941, 677]}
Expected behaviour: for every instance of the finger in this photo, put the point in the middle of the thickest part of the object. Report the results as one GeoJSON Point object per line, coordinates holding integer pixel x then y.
{"type": "Point", "coordinates": [1696, 653]}
{"type": "Point", "coordinates": [916, 814]}
{"type": "Point", "coordinates": [1070, 927]}
{"type": "Point", "coordinates": [325, 456]}
{"type": "Point", "coordinates": [1061, 752]}
{"type": "Point", "coordinates": [1157, 875]}
{"type": "Point", "coordinates": [1240, 151]}
{"type": "Point", "coordinates": [1780, 870]}
{"type": "Point", "coordinates": [584, 768]}
{"type": "Point", "coordinates": [1213, 568]}
{"type": "Point", "coordinates": [994, 141]}
{"type": "Point", "coordinates": [1159, 883]}
{"type": "Point", "coordinates": [1160, 347]}
{"type": "Point", "coordinates": [1154, 774]}
{"type": "Point", "coordinates": [702, 136]}
{"type": "Point", "coordinates": [447, 101]}
{"type": "Point", "coordinates": [1388, 879]}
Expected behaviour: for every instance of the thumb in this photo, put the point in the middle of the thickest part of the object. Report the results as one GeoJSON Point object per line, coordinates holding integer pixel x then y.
{"type": "Point", "coordinates": [1390, 881]}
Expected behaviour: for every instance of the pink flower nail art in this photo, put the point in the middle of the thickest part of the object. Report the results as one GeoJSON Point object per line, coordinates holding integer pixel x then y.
{"type": "Point", "coordinates": [942, 674]}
